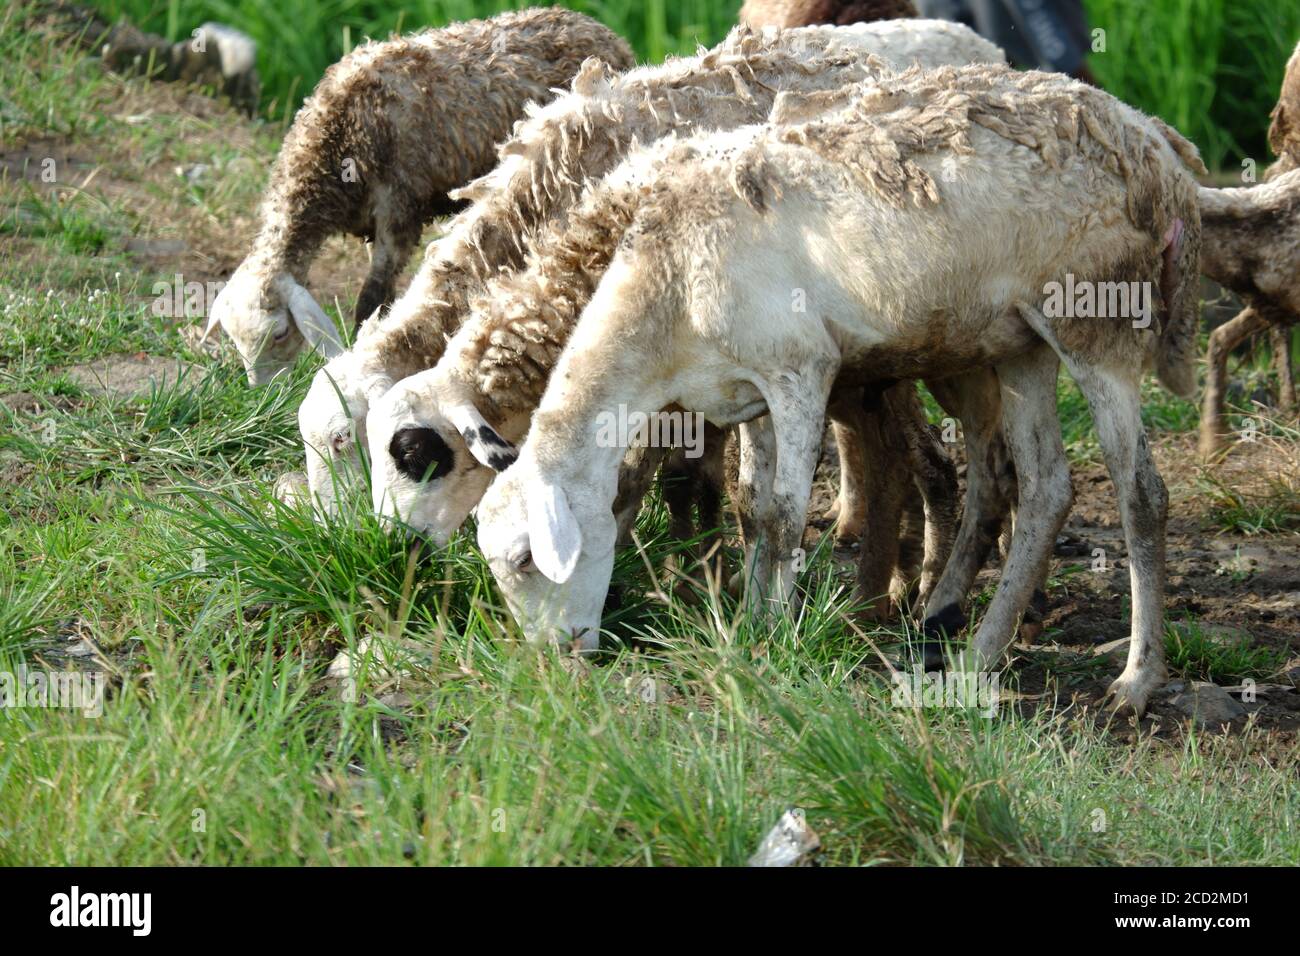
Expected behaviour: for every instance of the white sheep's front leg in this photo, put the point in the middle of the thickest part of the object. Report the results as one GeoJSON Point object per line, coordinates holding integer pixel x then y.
{"type": "Point", "coordinates": [1033, 433]}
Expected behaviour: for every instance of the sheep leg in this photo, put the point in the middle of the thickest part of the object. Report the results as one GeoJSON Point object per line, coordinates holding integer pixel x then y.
{"type": "Point", "coordinates": [935, 478]}
{"type": "Point", "coordinates": [1115, 401]}
{"type": "Point", "coordinates": [1281, 336]}
{"type": "Point", "coordinates": [708, 479]}
{"type": "Point", "coordinates": [850, 509]}
{"type": "Point", "coordinates": [757, 462]}
{"type": "Point", "coordinates": [634, 480]}
{"type": "Point", "coordinates": [911, 550]}
{"type": "Point", "coordinates": [692, 490]}
{"type": "Point", "coordinates": [1033, 433]}
{"type": "Point", "coordinates": [797, 404]}
{"type": "Point", "coordinates": [975, 398]}
{"type": "Point", "coordinates": [881, 484]}
{"type": "Point", "coordinates": [1223, 340]}
{"type": "Point", "coordinates": [389, 254]}
{"type": "Point", "coordinates": [695, 484]}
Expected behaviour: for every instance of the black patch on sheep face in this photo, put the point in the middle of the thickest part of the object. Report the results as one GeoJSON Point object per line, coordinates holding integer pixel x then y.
{"type": "Point", "coordinates": [499, 453]}
{"type": "Point", "coordinates": [421, 453]}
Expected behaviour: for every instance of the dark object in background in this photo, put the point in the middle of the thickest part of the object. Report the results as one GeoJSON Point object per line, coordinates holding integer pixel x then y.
{"type": "Point", "coordinates": [214, 55]}
{"type": "Point", "coordinates": [807, 13]}
{"type": "Point", "coordinates": [1038, 34]}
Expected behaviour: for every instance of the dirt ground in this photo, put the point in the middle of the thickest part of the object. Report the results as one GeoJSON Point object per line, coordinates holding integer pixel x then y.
{"type": "Point", "coordinates": [172, 233]}
{"type": "Point", "coordinates": [1238, 588]}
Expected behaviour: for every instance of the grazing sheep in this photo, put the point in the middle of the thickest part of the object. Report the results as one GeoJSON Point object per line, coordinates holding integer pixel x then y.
{"type": "Point", "coordinates": [389, 131]}
{"type": "Point", "coordinates": [693, 310]}
{"type": "Point", "coordinates": [545, 166]}
{"type": "Point", "coordinates": [806, 13]}
{"type": "Point", "coordinates": [1235, 262]}
{"type": "Point", "coordinates": [466, 411]}
{"type": "Point", "coordinates": [1251, 245]}
{"type": "Point", "coordinates": [437, 438]}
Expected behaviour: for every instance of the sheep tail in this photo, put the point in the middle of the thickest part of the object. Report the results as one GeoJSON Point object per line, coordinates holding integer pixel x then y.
{"type": "Point", "coordinates": [1179, 284]}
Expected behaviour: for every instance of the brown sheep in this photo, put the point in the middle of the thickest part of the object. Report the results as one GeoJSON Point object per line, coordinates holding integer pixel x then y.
{"type": "Point", "coordinates": [1252, 246]}
{"type": "Point", "coordinates": [389, 131]}
{"type": "Point", "coordinates": [1234, 221]}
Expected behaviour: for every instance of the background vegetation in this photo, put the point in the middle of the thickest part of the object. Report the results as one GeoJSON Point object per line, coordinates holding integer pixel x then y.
{"type": "Point", "coordinates": [1210, 67]}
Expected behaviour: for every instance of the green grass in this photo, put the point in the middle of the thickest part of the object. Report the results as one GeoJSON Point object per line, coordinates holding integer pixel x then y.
{"type": "Point", "coordinates": [1211, 68]}
{"type": "Point", "coordinates": [1194, 654]}
{"type": "Point", "coordinates": [146, 523]}
{"type": "Point", "coordinates": [1273, 508]}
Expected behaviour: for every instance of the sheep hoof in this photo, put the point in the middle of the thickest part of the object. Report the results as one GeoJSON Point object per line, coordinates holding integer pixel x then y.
{"type": "Point", "coordinates": [932, 656]}
{"type": "Point", "coordinates": [948, 621]}
{"type": "Point", "coordinates": [1129, 693]}
{"type": "Point", "coordinates": [848, 534]}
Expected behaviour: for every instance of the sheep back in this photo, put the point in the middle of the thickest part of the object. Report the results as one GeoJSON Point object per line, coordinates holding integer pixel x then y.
{"type": "Point", "coordinates": [404, 121]}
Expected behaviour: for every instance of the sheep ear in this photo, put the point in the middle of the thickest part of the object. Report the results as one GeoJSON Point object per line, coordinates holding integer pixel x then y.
{"type": "Point", "coordinates": [316, 328]}
{"type": "Point", "coordinates": [484, 442]}
{"type": "Point", "coordinates": [215, 311]}
{"type": "Point", "coordinates": [593, 71]}
{"type": "Point", "coordinates": [553, 532]}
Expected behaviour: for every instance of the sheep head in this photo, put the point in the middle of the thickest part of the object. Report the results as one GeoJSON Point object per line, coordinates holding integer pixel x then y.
{"type": "Point", "coordinates": [270, 319]}
{"type": "Point", "coordinates": [331, 420]}
{"type": "Point", "coordinates": [432, 455]}
{"type": "Point", "coordinates": [552, 554]}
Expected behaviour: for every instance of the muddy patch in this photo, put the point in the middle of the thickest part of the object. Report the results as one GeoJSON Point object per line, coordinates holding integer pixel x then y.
{"type": "Point", "coordinates": [128, 376]}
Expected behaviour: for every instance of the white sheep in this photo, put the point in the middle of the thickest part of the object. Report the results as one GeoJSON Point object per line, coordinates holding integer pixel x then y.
{"type": "Point", "coordinates": [926, 223]}
{"type": "Point", "coordinates": [543, 169]}
{"type": "Point", "coordinates": [389, 131]}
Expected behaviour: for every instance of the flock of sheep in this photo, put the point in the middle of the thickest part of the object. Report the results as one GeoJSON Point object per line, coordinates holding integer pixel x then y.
{"type": "Point", "coordinates": [794, 226]}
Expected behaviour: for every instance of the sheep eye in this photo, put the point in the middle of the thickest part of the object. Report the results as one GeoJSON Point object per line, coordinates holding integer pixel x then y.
{"type": "Point", "coordinates": [523, 562]}
{"type": "Point", "coordinates": [281, 335]}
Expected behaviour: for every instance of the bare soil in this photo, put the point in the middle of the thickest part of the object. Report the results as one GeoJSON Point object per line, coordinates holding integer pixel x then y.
{"type": "Point", "coordinates": [1236, 587]}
